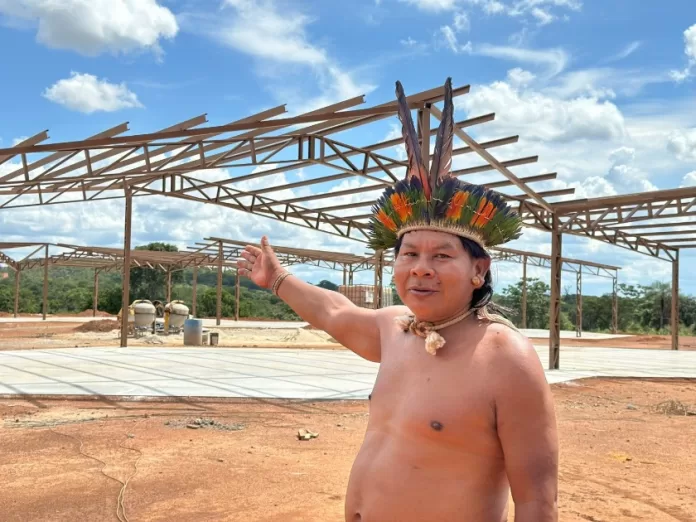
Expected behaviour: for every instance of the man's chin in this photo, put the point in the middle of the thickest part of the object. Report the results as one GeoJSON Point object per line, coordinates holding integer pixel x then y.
{"type": "Point", "coordinates": [423, 309]}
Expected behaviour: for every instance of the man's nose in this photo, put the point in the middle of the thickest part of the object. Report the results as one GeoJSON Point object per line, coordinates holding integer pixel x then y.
{"type": "Point", "coordinates": [422, 269]}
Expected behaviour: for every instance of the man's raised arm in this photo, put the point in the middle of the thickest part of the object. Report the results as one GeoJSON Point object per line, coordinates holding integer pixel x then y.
{"type": "Point", "coordinates": [354, 327]}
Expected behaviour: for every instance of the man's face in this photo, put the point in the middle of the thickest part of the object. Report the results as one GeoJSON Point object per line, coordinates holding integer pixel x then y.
{"type": "Point", "coordinates": [433, 274]}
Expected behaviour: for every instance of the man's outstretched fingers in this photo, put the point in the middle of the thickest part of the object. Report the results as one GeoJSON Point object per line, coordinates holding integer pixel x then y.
{"type": "Point", "coordinates": [249, 256]}
{"type": "Point", "coordinates": [265, 244]}
{"type": "Point", "coordinates": [253, 249]}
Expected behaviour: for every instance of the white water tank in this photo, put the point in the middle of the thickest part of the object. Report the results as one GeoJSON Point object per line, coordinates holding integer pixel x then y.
{"type": "Point", "coordinates": [178, 313]}
{"type": "Point", "coordinates": [144, 312]}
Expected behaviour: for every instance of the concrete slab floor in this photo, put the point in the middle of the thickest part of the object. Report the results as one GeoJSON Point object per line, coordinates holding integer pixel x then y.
{"type": "Point", "coordinates": [269, 373]}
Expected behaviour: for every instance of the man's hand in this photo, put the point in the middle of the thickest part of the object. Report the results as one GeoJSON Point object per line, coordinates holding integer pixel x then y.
{"type": "Point", "coordinates": [355, 328]}
{"type": "Point", "coordinates": [260, 264]}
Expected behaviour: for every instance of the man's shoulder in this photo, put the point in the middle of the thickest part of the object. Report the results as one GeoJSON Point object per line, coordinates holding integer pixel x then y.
{"type": "Point", "coordinates": [390, 312]}
{"type": "Point", "coordinates": [512, 353]}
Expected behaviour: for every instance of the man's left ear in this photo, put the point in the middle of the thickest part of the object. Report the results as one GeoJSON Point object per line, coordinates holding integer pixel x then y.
{"type": "Point", "coordinates": [482, 267]}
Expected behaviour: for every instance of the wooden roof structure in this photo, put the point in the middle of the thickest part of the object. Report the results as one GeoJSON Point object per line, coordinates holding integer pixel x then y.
{"type": "Point", "coordinates": [200, 163]}
{"type": "Point", "coordinates": [231, 250]}
{"type": "Point", "coordinates": [544, 261]}
{"type": "Point", "coordinates": [103, 258]}
{"type": "Point", "coordinates": [184, 161]}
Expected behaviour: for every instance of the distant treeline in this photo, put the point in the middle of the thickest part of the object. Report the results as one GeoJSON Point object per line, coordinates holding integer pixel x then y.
{"type": "Point", "coordinates": [642, 309]}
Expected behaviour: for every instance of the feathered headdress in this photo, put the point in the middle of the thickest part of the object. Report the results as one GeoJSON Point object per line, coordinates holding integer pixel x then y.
{"type": "Point", "coordinates": [437, 200]}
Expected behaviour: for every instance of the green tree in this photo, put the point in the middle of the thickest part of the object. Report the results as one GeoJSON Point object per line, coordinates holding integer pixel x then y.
{"type": "Point", "coordinates": [328, 285]}
{"type": "Point", "coordinates": [150, 283]}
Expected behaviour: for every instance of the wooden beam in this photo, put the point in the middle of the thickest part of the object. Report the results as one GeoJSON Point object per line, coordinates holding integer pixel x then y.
{"type": "Point", "coordinates": [555, 301]}
{"type": "Point", "coordinates": [95, 298]}
{"type": "Point", "coordinates": [524, 292]}
{"type": "Point", "coordinates": [218, 307]}
{"type": "Point", "coordinates": [675, 302]}
{"type": "Point", "coordinates": [194, 297]}
{"type": "Point", "coordinates": [237, 292]}
{"type": "Point", "coordinates": [44, 308]}
{"type": "Point", "coordinates": [18, 276]}
{"type": "Point", "coordinates": [125, 298]}
{"type": "Point", "coordinates": [493, 162]}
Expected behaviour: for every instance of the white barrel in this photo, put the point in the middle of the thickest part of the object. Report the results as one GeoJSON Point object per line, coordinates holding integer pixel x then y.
{"type": "Point", "coordinates": [193, 332]}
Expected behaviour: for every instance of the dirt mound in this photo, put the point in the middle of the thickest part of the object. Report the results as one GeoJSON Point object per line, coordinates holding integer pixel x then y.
{"type": "Point", "coordinates": [89, 312]}
{"type": "Point", "coordinates": [103, 325]}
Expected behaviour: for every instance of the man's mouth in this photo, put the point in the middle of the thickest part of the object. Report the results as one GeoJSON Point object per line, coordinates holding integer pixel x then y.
{"type": "Point", "coordinates": [421, 290]}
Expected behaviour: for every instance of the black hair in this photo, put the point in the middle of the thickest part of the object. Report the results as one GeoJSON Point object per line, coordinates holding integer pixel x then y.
{"type": "Point", "coordinates": [483, 296]}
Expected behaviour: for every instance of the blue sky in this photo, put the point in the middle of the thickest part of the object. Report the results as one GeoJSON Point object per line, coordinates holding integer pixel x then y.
{"type": "Point", "coordinates": [600, 90]}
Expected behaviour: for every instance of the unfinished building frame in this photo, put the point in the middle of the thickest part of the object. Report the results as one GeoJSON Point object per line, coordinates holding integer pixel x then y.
{"type": "Point", "coordinates": [192, 163]}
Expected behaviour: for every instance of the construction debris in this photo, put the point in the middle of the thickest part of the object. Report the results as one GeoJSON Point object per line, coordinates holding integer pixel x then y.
{"type": "Point", "coordinates": [303, 434]}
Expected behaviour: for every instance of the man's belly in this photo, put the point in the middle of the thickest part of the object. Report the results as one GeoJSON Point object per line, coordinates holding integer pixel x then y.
{"type": "Point", "coordinates": [403, 479]}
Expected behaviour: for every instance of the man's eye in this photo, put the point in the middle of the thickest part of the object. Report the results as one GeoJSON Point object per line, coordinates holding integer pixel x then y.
{"type": "Point", "coordinates": [441, 255]}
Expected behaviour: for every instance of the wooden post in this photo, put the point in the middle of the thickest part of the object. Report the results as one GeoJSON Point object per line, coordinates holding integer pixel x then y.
{"type": "Point", "coordinates": [555, 301]}
{"type": "Point", "coordinates": [18, 277]}
{"type": "Point", "coordinates": [345, 275]}
{"type": "Point", "coordinates": [169, 284]}
{"type": "Point", "coordinates": [614, 306]}
{"type": "Point", "coordinates": [237, 290]}
{"type": "Point", "coordinates": [675, 301]}
{"type": "Point", "coordinates": [218, 312]}
{"type": "Point", "coordinates": [524, 292]}
{"type": "Point", "coordinates": [578, 302]}
{"type": "Point", "coordinates": [95, 299]}
{"type": "Point", "coordinates": [125, 299]}
{"type": "Point", "coordinates": [379, 272]}
{"type": "Point", "coordinates": [350, 275]}
{"type": "Point", "coordinates": [45, 284]}
{"type": "Point", "coordinates": [194, 298]}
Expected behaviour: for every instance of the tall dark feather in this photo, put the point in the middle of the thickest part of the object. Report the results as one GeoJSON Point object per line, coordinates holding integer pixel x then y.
{"type": "Point", "coordinates": [413, 152]}
{"type": "Point", "coordinates": [441, 166]}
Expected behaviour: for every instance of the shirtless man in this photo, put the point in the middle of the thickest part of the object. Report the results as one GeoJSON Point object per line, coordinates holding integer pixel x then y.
{"type": "Point", "coordinates": [461, 414]}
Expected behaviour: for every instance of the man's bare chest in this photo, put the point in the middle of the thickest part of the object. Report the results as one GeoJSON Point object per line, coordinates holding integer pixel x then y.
{"type": "Point", "coordinates": [446, 399]}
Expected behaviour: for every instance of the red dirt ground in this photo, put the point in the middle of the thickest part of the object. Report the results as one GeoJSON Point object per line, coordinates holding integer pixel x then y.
{"type": "Point", "coordinates": [621, 459]}
{"type": "Point", "coordinates": [18, 336]}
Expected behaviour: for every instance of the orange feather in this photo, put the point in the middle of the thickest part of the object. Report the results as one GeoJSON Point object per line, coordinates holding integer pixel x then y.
{"type": "Point", "coordinates": [454, 210]}
{"type": "Point", "coordinates": [401, 206]}
{"type": "Point", "coordinates": [386, 220]}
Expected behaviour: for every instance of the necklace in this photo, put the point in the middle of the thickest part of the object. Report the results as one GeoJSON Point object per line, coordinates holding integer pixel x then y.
{"type": "Point", "coordinates": [428, 330]}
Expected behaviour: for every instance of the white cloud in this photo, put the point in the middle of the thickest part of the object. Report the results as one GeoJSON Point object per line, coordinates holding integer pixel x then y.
{"type": "Point", "coordinates": [273, 35]}
{"type": "Point", "coordinates": [461, 21]}
{"type": "Point", "coordinates": [554, 60]}
{"type": "Point", "coordinates": [543, 17]}
{"type": "Point", "coordinates": [543, 118]}
{"type": "Point", "coordinates": [277, 38]}
{"type": "Point", "coordinates": [519, 77]}
{"type": "Point", "coordinates": [625, 52]}
{"type": "Point", "coordinates": [604, 82]}
{"type": "Point", "coordinates": [683, 144]}
{"type": "Point", "coordinates": [539, 10]}
{"type": "Point", "coordinates": [690, 51]}
{"type": "Point", "coordinates": [434, 6]}
{"type": "Point", "coordinates": [624, 176]}
{"type": "Point", "coordinates": [96, 26]}
{"type": "Point", "coordinates": [86, 93]}
{"type": "Point", "coordinates": [447, 35]}
{"type": "Point", "coordinates": [689, 179]}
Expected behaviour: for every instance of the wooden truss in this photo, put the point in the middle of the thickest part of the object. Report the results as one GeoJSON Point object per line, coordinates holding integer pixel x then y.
{"type": "Point", "coordinates": [202, 164]}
